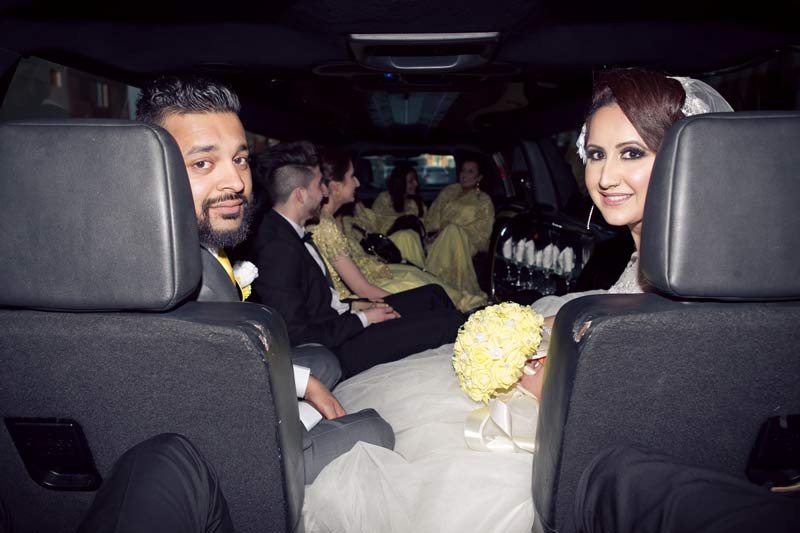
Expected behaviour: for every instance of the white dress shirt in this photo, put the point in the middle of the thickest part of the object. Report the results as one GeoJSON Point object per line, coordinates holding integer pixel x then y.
{"type": "Point", "coordinates": [336, 303]}
{"type": "Point", "coordinates": [309, 416]}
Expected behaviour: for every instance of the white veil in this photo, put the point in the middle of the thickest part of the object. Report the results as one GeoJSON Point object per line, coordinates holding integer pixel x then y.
{"type": "Point", "coordinates": [701, 97]}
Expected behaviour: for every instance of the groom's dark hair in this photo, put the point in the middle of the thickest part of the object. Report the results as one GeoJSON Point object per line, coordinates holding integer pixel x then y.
{"type": "Point", "coordinates": [286, 166]}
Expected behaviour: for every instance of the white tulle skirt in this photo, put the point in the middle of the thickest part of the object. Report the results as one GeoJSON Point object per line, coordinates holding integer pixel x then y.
{"type": "Point", "coordinates": [432, 482]}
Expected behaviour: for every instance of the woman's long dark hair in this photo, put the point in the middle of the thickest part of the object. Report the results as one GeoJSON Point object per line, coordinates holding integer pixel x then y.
{"type": "Point", "coordinates": [333, 164]}
{"type": "Point", "coordinates": [396, 185]}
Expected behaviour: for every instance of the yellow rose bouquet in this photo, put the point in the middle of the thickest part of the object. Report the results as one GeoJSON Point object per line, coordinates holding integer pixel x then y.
{"type": "Point", "coordinates": [493, 346]}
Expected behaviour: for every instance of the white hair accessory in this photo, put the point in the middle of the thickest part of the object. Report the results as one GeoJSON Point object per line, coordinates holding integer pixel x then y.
{"type": "Point", "coordinates": [700, 98]}
{"type": "Point", "coordinates": [581, 145]}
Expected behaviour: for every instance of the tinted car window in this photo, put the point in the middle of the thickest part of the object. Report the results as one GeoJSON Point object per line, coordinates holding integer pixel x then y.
{"type": "Point", "coordinates": [435, 171]}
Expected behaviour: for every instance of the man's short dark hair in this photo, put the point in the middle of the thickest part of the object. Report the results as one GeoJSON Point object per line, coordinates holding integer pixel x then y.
{"type": "Point", "coordinates": [283, 168]}
{"type": "Point", "coordinates": [170, 95]}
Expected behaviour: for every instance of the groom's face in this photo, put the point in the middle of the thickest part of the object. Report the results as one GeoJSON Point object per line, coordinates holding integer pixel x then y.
{"type": "Point", "coordinates": [214, 149]}
{"type": "Point", "coordinates": [314, 194]}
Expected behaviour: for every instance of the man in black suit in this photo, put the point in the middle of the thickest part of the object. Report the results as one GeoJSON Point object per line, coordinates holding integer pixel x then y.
{"type": "Point", "coordinates": [295, 280]}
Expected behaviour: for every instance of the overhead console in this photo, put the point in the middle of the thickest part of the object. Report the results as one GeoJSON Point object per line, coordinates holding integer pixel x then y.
{"type": "Point", "coordinates": [423, 52]}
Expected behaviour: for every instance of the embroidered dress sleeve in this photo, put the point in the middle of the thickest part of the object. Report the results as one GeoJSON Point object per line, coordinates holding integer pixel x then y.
{"type": "Point", "coordinates": [385, 214]}
{"type": "Point", "coordinates": [332, 245]}
{"type": "Point", "coordinates": [330, 240]}
{"type": "Point", "coordinates": [479, 227]}
{"type": "Point", "coordinates": [434, 219]}
{"type": "Point", "coordinates": [364, 217]}
{"type": "Point", "coordinates": [375, 270]}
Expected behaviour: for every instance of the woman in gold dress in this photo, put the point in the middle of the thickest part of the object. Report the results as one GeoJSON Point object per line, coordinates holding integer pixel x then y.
{"type": "Point", "coordinates": [354, 272]}
{"type": "Point", "coordinates": [400, 199]}
{"type": "Point", "coordinates": [459, 225]}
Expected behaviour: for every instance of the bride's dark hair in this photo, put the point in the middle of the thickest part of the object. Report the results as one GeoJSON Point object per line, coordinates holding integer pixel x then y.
{"type": "Point", "coordinates": [333, 164]}
{"type": "Point", "coordinates": [650, 100]}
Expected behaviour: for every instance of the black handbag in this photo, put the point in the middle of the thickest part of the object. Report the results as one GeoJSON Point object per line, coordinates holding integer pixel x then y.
{"type": "Point", "coordinates": [380, 245]}
{"type": "Point", "coordinates": [409, 222]}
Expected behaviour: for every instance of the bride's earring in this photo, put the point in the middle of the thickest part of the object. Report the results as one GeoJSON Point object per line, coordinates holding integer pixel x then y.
{"type": "Point", "coordinates": [589, 220]}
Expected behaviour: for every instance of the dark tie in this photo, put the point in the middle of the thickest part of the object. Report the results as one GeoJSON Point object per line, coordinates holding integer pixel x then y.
{"type": "Point", "coordinates": [308, 240]}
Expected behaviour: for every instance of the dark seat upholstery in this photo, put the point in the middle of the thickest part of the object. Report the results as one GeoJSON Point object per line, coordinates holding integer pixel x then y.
{"type": "Point", "coordinates": [101, 262]}
{"type": "Point", "coordinates": [695, 370]}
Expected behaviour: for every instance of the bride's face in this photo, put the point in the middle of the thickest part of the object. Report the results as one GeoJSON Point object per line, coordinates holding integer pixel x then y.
{"type": "Point", "coordinates": [618, 168]}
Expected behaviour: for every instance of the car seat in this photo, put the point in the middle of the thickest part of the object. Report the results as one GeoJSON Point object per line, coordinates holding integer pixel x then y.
{"type": "Point", "coordinates": [102, 344]}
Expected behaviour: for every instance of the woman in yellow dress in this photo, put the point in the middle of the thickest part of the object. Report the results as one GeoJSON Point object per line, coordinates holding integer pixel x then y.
{"type": "Point", "coordinates": [354, 272]}
{"type": "Point", "coordinates": [459, 225]}
{"type": "Point", "coordinates": [400, 199]}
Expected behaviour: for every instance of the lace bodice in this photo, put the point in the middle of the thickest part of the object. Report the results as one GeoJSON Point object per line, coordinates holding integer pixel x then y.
{"type": "Point", "coordinates": [631, 280]}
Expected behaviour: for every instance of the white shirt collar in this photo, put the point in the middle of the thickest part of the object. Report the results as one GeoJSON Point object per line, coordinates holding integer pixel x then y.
{"type": "Point", "coordinates": [297, 227]}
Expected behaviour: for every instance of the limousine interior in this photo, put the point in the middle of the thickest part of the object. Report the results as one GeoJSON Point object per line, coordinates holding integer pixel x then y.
{"type": "Point", "coordinates": [101, 349]}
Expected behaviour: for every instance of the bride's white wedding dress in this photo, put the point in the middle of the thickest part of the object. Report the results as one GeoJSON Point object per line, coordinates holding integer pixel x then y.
{"type": "Point", "coordinates": [431, 482]}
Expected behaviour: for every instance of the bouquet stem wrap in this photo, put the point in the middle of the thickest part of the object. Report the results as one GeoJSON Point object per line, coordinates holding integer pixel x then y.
{"type": "Point", "coordinates": [507, 424]}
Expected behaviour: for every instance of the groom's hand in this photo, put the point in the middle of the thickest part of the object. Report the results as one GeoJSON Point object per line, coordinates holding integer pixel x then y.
{"type": "Point", "coordinates": [360, 305]}
{"type": "Point", "coordinates": [381, 314]}
{"type": "Point", "coordinates": [321, 398]}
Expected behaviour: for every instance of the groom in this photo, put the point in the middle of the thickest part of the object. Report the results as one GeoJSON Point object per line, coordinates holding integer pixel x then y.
{"type": "Point", "coordinates": [300, 288]}
{"type": "Point", "coordinates": [202, 116]}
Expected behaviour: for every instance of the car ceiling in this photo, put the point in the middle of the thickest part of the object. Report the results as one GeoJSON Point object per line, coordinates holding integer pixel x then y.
{"type": "Point", "coordinates": [296, 73]}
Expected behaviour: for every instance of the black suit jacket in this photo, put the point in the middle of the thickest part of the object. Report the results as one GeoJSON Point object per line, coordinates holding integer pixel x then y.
{"type": "Point", "coordinates": [292, 282]}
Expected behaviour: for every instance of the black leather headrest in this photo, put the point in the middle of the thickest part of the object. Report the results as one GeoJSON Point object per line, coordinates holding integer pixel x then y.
{"type": "Point", "coordinates": [722, 217]}
{"type": "Point", "coordinates": [96, 215]}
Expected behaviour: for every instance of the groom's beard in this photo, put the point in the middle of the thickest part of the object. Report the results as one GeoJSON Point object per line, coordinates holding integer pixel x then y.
{"type": "Point", "coordinates": [212, 238]}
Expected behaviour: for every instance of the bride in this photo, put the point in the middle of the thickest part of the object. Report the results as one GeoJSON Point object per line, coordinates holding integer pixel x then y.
{"type": "Point", "coordinates": [432, 481]}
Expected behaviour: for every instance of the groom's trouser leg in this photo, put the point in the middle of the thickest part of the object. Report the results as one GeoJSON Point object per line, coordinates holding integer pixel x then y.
{"type": "Point", "coordinates": [323, 363]}
{"type": "Point", "coordinates": [331, 438]}
{"type": "Point", "coordinates": [625, 489]}
{"type": "Point", "coordinates": [395, 339]}
{"type": "Point", "coordinates": [425, 298]}
{"type": "Point", "coordinates": [160, 485]}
